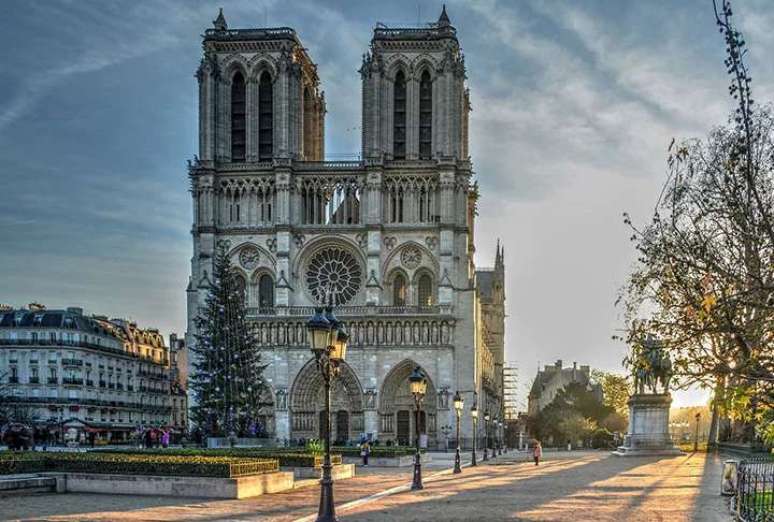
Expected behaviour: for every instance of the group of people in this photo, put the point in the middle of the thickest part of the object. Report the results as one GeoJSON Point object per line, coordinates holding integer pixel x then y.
{"type": "Point", "coordinates": [155, 437]}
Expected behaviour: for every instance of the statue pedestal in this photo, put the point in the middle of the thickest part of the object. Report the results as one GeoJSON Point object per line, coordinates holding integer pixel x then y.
{"type": "Point", "coordinates": [648, 432]}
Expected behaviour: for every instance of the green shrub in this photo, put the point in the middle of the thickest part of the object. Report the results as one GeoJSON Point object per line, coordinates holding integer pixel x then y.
{"type": "Point", "coordinates": [377, 451]}
{"type": "Point", "coordinates": [285, 456]}
{"type": "Point", "coordinates": [135, 464]}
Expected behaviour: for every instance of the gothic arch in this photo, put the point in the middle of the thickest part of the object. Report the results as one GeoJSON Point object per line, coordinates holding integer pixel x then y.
{"type": "Point", "coordinates": [265, 254]}
{"type": "Point", "coordinates": [392, 262]}
{"type": "Point", "coordinates": [424, 63]}
{"type": "Point", "coordinates": [232, 64]}
{"type": "Point", "coordinates": [398, 63]}
{"type": "Point", "coordinates": [397, 413]}
{"type": "Point", "coordinates": [307, 401]}
{"type": "Point", "coordinates": [395, 392]}
{"type": "Point", "coordinates": [260, 63]}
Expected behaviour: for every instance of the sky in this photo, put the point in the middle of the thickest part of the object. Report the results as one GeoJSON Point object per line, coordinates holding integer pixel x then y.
{"type": "Point", "coordinates": [574, 106]}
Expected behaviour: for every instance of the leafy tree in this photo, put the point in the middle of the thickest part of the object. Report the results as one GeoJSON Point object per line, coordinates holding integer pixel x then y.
{"type": "Point", "coordinates": [615, 422]}
{"type": "Point", "coordinates": [573, 400]}
{"type": "Point", "coordinates": [704, 284]}
{"type": "Point", "coordinates": [227, 380]}
{"type": "Point", "coordinates": [575, 427]}
{"type": "Point", "coordinates": [616, 389]}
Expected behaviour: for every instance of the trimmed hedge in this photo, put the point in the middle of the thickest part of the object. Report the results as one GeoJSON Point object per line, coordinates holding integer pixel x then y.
{"type": "Point", "coordinates": [377, 451]}
{"type": "Point", "coordinates": [285, 456]}
{"type": "Point", "coordinates": [132, 464]}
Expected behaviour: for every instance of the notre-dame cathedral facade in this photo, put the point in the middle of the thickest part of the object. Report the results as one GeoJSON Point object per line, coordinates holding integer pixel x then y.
{"type": "Point", "coordinates": [389, 236]}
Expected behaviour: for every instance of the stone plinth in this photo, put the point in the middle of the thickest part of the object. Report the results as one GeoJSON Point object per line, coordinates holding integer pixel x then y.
{"type": "Point", "coordinates": [207, 487]}
{"type": "Point", "coordinates": [648, 432]}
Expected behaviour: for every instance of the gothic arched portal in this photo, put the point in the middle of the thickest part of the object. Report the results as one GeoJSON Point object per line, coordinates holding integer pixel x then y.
{"type": "Point", "coordinates": [396, 406]}
{"type": "Point", "coordinates": [307, 404]}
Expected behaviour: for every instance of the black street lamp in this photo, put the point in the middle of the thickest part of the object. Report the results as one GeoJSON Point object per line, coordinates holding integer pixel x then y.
{"type": "Point", "coordinates": [329, 345]}
{"type": "Point", "coordinates": [418, 387]}
{"type": "Point", "coordinates": [696, 433]}
{"type": "Point", "coordinates": [458, 403]}
{"type": "Point", "coordinates": [474, 415]}
{"type": "Point", "coordinates": [499, 437]}
{"type": "Point", "coordinates": [486, 434]}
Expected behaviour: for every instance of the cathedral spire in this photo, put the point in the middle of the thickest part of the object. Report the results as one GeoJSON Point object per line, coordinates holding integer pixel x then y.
{"type": "Point", "coordinates": [443, 20]}
{"type": "Point", "coordinates": [220, 22]}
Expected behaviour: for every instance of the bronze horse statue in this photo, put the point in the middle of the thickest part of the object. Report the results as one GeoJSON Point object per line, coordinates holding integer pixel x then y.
{"type": "Point", "coordinates": [651, 366]}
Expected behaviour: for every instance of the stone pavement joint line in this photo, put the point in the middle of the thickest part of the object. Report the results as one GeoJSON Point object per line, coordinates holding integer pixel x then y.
{"type": "Point", "coordinates": [381, 494]}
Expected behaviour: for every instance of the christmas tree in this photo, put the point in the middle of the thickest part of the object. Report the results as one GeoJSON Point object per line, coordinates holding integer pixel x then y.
{"type": "Point", "coordinates": [227, 378]}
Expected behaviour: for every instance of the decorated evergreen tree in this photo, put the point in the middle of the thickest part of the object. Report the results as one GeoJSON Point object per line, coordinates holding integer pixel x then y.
{"type": "Point", "coordinates": [227, 380]}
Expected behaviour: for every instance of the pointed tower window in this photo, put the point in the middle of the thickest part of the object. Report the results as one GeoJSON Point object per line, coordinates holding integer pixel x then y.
{"type": "Point", "coordinates": [425, 116]}
{"type": "Point", "coordinates": [238, 118]}
{"type": "Point", "coordinates": [399, 117]}
{"type": "Point", "coordinates": [265, 118]}
{"type": "Point", "coordinates": [399, 290]}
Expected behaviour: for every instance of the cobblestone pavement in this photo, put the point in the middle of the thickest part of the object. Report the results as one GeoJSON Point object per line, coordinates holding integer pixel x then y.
{"type": "Point", "coordinates": [567, 486]}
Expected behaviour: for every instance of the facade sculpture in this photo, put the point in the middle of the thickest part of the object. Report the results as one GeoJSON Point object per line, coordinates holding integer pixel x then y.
{"type": "Point", "coordinates": [390, 236]}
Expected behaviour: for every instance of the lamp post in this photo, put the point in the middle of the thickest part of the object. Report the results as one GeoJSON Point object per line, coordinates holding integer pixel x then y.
{"type": "Point", "coordinates": [418, 387]}
{"type": "Point", "coordinates": [499, 437]}
{"type": "Point", "coordinates": [486, 434]}
{"type": "Point", "coordinates": [329, 346]}
{"type": "Point", "coordinates": [696, 433]}
{"type": "Point", "coordinates": [474, 415]}
{"type": "Point", "coordinates": [458, 403]}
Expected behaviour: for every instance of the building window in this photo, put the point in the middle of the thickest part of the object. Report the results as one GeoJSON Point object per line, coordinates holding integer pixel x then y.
{"type": "Point", "coordinates": [265, 291]}
{"type": "Point", "coordinates": [238, 109]}
{"type": "Point", "coordinates": [425, 116]}
{"type": "Point", "coordinates": [265, 118]}
{"type": "Point", "coordinates": [425, 290]}
{"type": "Point", "coordinates": [399, 290]}
{"type": "Point", "coordinates": [399, 117]}
{"type": "Point", "coordinates": [240, 285]}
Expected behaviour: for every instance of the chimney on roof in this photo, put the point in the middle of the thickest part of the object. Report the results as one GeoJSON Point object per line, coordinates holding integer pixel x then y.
{"type": "Point", "coordinates": [585, 370]}
{"type": "Point", "coordinates": [574, 370]}
{"type": "Point", "coordinates": [558, 364]}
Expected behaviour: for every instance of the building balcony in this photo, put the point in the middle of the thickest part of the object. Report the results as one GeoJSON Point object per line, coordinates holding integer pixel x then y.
{"type": "Point", "coordinates": [34, 380]}
{"type": "Point", "coordinates": [72, 381]}
{"type": "Point", "coordinates": [13, 380]}
{"type": "Point", "coordinates": [72, 362]}
{"type": "Point", "coordinates": [89, 382]}
{"type": "Point", "coordinates": [53, 380]}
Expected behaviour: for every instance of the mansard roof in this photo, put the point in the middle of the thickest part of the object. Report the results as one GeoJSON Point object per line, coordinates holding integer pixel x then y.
{"type": "Point", "coordinates": [67, 319]}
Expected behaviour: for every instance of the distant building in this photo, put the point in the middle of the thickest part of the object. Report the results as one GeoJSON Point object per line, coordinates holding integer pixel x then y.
{"type": "Point", "coordinates": [554, 378]}
{"type": "Point", "coordinates": [77, 375]}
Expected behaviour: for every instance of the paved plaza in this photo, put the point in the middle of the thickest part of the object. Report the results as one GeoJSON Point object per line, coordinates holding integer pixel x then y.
{"type": "Point", "coordinates": [567, 486]}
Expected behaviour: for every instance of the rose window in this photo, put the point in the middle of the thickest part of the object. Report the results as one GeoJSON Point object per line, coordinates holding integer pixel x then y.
{"type": "Point", "coordinates": [334, 271]}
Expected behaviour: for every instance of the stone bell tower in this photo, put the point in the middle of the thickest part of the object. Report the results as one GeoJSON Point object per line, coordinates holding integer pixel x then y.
{"type": "Point", "coordinates": [415, 104]}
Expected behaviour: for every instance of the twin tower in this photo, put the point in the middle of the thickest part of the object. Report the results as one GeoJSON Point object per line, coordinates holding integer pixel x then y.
{"type": "Point", "coordinates": [260, 95]}
{"type": "Point", "coordinates": [388, 238]}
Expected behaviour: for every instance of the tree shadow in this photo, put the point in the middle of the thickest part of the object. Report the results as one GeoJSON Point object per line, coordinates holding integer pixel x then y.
{"type": "Point", "coordinates": [505, 495]}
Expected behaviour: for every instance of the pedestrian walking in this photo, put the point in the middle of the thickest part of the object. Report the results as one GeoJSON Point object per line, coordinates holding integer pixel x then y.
{"type": "Point", "coordinates": [537, 452]}
{"type": "Point", "coordinates": [365, 451]}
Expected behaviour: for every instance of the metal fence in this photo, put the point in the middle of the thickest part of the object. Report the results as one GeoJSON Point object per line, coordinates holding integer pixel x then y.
{"type": "Point", "coordinates": [755, 490]}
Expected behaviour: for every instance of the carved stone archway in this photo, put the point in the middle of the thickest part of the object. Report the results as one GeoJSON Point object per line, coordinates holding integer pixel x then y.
{"type": "Point", "coordinates": [307, 402]}
{"type": "Point", "coordinates": [396, 406]}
